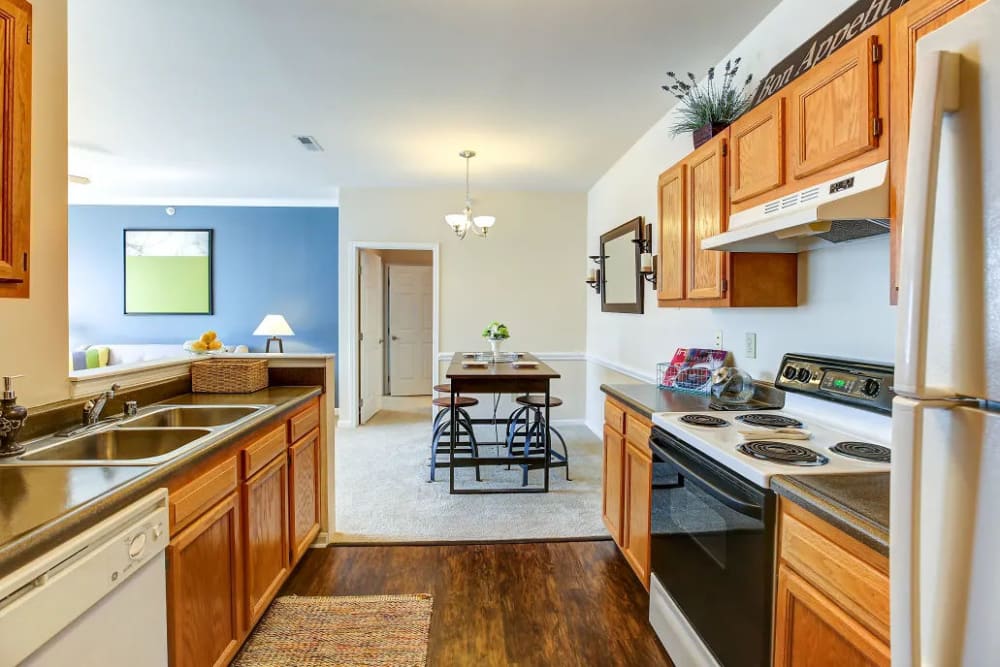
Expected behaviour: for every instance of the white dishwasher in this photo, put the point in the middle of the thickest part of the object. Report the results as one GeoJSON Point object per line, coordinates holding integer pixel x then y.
{"type": "Point", "coordinates": [99, 599]}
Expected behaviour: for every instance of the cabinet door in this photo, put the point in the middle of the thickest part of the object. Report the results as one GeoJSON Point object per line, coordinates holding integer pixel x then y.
{"type": "Point", "coordinates": [757, 142]}
{"type": "Point", "coordinates": [670, 277]}
{"type": "Point", "coordinates": [266, 509]}
{"type": "Point", "coordinates": [614, 460]}
{"type": "Point", "coordinates": [15, 141]}
{"type": "Point", "coordinates": [303, 480]}
{"type": "Point", "coordinates": [707, 199]}
{"type": "Point", "coordinates": [810, 630]}
{"type": "Point", "coordinates": [205, 588]}
{"type": "Point", "coordinates": [906, 25]}
{"type": "Point", "coordinates": [833, 108]}
{"type": "Point", "coordinates": [638, 496]}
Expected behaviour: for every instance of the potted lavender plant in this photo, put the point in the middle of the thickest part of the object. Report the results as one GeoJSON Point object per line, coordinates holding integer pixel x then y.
{"type": "Point", "coordinates": [707, 109]}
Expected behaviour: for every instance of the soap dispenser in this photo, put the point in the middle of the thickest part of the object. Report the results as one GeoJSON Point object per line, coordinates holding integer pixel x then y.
{"type": "Point", "coordinates": [12, 418]}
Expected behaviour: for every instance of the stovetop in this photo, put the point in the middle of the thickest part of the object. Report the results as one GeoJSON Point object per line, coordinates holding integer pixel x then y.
{"type": "Point", "coordinates": [836, 432]}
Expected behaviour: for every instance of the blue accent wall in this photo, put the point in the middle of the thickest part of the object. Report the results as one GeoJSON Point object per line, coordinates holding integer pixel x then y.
{"type": "Point", "coordinates": [265, 260]}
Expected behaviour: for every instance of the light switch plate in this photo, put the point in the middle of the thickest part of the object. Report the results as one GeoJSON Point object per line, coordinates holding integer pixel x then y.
{"type": "Point", "coordinates": [718, 340]}
{"type": "Point", "coordinates": [750, 346]}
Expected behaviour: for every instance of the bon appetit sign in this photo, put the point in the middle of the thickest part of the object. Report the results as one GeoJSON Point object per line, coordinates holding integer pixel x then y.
{"type": "Point", "coordinates": [852, 22]}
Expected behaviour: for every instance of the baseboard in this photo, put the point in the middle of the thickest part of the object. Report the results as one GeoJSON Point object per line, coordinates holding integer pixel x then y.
{"type": "Point", "coordinates": [445, 543]}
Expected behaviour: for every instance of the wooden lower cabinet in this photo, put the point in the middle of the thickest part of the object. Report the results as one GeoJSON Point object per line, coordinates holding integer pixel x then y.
{"type": "Point", "coordinates": [205, 588]}
{"type": "Point", "coordinates": [637, 510]}
{"type": "Point", "coordinates": [832, 596]}
{"type": "Point", "coordinates": [304, 493]}
{"type": "Point", "coordinates": [612, 486]}
{"type": "Point", "coordinates": [627, 484]}
{"type": "Point", "coordinates": [265, 498]}
{"type": "Point", "coordinates": [812, 631]}
{"type": "Point", "coordinates": [240, 522]}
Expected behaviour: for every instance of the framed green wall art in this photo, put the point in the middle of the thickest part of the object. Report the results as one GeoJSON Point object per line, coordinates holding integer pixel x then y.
{"type": "Point", "coordinates": [168, 271]}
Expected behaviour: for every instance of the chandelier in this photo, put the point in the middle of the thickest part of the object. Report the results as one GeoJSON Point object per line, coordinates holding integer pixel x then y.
{"type": "Point", "coordinates": [463, 222]}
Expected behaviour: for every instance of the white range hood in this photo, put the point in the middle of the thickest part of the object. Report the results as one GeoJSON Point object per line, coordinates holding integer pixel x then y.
{"type": "Point", "coordinates": [849, 207]}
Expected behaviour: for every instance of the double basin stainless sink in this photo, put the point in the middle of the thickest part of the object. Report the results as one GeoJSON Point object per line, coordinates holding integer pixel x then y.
{"type": "Point", "coordinates": [157, 434]}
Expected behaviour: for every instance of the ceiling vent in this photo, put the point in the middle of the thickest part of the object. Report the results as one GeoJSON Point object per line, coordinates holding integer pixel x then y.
{"type": "Point", "coordinates": [309, 143]}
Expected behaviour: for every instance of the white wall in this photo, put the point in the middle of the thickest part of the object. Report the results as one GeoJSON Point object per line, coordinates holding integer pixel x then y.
{"type": "Point", "coordinates": [526, 274]}
{"type": "Point", "coordinates": [34, 332]}
{"type": "Point", "coordinates": [843, 291]}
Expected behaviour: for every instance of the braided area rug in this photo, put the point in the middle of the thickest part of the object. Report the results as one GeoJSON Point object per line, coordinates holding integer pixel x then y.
{"type": "Point", "coordinates": [326, 631]}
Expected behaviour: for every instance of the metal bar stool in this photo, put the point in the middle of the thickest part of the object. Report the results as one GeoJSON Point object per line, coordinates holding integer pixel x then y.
{"type": "Point", "coordinates": [442, 424]}
{"type": "Point", "coordinates": [527, 423]}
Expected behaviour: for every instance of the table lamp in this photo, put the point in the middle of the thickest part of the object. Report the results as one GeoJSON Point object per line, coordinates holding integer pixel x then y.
{"type": "Point", "coordinates": [273, 326]}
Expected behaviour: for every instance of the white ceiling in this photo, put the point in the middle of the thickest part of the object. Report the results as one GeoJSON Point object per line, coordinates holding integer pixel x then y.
{"type": "Point", "coordinates": [194, 100]}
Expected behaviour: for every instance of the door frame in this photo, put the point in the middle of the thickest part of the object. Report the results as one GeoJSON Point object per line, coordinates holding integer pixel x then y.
{"type": "Point", "coordinates": [350, 366]}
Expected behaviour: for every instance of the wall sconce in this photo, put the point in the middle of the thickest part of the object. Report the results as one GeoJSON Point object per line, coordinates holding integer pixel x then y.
{"type": "Point", "coordinates": [594, 274]}
{"type": "Point", "coordinates": [647, 260]}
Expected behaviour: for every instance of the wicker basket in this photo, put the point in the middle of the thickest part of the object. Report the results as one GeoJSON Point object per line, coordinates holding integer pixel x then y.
{"type": "Point", "coordinates": [229, 376]}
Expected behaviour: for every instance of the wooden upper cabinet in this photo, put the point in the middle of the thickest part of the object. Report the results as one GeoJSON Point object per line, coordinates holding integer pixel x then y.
{"type": "Point", "coordinates": [672, 191]}
{"type": "Point", "coordinates": [15, 147]}
{"type": "Point", "coordinates": [834, 108]}
{"type": "Point", "coordinates": [706, 216]}
{"type": "Point", "coordinates": [757, 144]}
{"type": "Point", "coordinates": [906, 25]}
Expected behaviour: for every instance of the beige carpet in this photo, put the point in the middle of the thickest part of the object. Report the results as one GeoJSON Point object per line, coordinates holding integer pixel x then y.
{"type": "Point", "coordinates": [382, 492]}
{"type": "Point", "coordinates": [324, 631]}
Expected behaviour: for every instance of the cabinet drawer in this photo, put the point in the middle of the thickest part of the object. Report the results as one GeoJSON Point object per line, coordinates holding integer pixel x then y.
{"type": "Point", "coordinates": [200, 494]}
{"type": "Point", "coordinates": [842, 570]}
{"type": "Point", "coordinates": [303, 422]}
{"type": "Point", "coordinates": [637, 432]}
{"type": "Point", "coordinates": [614, 416]}
{"type": "Point", "coordinates": [260, 452]}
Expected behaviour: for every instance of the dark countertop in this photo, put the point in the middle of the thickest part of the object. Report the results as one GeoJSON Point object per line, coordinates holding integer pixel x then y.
{"type": "Point", "coordinates": [41, 506]}
{"type": "Point", "coordinates": [647, 399]}
{"type": "Point", "coordinates": [858, 504]}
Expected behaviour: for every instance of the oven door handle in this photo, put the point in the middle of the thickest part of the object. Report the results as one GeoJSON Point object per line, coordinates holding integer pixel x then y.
{"type": "Point", "coordinates": [741, 506]}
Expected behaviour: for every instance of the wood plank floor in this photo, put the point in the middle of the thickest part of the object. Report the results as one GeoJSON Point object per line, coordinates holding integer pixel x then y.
{"type": "Point", "coordinates": [553, 603]}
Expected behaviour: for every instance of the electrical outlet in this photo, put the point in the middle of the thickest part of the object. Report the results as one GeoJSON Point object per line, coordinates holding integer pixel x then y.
{"type": "Point", "coordinates": [750, 346]}
{"type": "Point", "coordinates": [718, 340]}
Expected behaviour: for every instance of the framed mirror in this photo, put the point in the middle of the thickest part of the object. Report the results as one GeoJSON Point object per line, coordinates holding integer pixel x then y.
{"type": "Point", "coordinates": [621, 291]}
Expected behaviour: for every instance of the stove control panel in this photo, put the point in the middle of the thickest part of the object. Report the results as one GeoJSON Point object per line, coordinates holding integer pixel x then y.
{"type": "Point", "coordinates": [859, 383]}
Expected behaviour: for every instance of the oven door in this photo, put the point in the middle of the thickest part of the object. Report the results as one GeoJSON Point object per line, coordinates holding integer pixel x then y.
{"type": "Point", "coordinates": [713, 550]}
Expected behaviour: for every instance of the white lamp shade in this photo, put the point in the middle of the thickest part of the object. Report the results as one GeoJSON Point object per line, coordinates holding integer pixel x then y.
{"type": "Point", "coordinates": [484, 221]}
{"type": "Point", "coordinates": [456, 220]}
{"type": "Point", "coordinates": [273, 325]}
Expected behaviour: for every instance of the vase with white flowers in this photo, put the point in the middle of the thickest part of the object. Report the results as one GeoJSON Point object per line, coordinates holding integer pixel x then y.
{"type": "Point", "coordinates": [496, 333]}
{"type": "Point", "coordinates": [707, 108]}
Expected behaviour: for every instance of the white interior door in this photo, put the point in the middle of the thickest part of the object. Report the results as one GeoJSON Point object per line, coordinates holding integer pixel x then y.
{"type": "Point", "coordinates": [411, 330]}
{"type": "Point", "coordinates": [371, 343]}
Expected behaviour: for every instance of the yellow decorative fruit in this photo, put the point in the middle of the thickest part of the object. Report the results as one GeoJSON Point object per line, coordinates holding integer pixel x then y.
{"type": "Point", "coordinates": [199, 346]}
{"type": "Point", "coordinates": [208, 337]}
{"type": "Point", "coordinates": [215, 345]}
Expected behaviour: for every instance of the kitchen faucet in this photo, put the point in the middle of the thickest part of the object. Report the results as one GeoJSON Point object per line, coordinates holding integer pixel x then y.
{"type": "Point", "coordinates": [94, 407]}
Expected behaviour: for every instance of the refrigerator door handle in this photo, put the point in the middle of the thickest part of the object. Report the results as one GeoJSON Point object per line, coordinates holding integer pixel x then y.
{"type": "Point", "coordinates": [935, 93]}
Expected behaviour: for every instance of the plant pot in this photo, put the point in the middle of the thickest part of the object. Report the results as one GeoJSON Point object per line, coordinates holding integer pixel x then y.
{"type": "Point", "coordinates": [706, 132]}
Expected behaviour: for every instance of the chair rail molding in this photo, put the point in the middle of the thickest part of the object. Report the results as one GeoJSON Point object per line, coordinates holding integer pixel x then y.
{"type": "Point", "coordinates": [622, 369]}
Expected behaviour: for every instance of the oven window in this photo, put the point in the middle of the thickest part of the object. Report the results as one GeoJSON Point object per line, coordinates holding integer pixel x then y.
{"type": "Point", "coordinates": [712, 549]}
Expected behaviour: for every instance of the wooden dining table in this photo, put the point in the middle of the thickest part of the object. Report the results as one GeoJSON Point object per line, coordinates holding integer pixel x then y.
{"type": "Point", "coordinates": [499, 378]}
